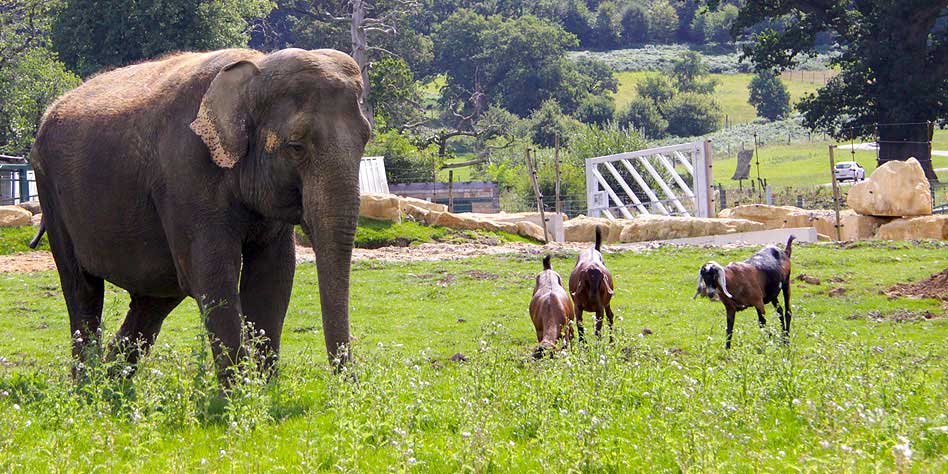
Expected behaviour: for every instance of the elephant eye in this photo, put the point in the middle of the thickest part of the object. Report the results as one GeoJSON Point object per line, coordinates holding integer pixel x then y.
{"type": "Point", "coordinates": [296, 148]}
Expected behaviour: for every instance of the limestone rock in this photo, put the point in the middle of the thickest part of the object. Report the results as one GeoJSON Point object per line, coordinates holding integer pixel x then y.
{"type": "Point", "coordinates": [421, 203]}
{"type": "Point", "coordinates": [13, 216]}
{"type": "Point", "coordinates": [859, 227]}
{"type": "Point", "coordinates": [32, 206]}
{"type": "Point", "coordinates": [653, 227]}
{"type": "Point", "coordinates": [383, 207]}
{"type": "Point", "coordinates": [927, 227]}
{"type": "Point", "coordinates": [529, 229]}
{"type": "Point", "coordinates": [36, 220]}
{"type": "Point", "coordinates": [583, 229]}
{"type": "Point", "coordinates": [895, 189]}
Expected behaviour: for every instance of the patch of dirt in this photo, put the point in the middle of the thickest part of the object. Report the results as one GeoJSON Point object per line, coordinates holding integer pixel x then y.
{"type": "Point", "coordinates": [837, 292]}
{"type": "Point", "coordinates": [836, 280]}
{"type": "Point", "coordinates": [481, 275]}
{"type": "Point", "coordinates": [898, 316]}
{"type": "Point", "coordinates": [808, 279]}
{"type": "Point", "coordinates": [447, 280]}
{"type": "Point", "coordinates": [27, 262]}
{"type": "Point", "coordinates": [935, 286]}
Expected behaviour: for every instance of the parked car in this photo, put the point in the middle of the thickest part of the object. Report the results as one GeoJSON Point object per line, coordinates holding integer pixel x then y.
{"type": "Point", "coordinates": [850, 170]}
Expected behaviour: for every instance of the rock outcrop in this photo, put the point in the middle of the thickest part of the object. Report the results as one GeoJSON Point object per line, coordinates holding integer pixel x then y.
{"type": "Point", "coordinates": [895, 189]}
{"type": "Point", "coordinates": [926, 227]}
{"type": "Point", "coordinates": [14, 216]}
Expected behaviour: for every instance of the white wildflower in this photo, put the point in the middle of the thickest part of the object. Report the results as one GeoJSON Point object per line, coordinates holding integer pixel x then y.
{"type": "Point", "coordinates": [903, 451]}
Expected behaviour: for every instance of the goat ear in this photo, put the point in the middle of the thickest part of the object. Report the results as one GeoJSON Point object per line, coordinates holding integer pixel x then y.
{"type": "Point", "coordinates": [223, 120]}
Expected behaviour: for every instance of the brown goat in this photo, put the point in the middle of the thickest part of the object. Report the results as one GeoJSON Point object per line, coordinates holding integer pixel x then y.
{"type": "Point", "coordinates": [752, 283]}
{"type": "Point", "coordinates": [550, 309]}
{"type": "Point", "coordinates": [592, 287]}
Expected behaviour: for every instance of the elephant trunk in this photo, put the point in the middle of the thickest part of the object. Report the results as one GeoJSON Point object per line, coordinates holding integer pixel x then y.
{"type": "Point", "coordinates": [331, 213]}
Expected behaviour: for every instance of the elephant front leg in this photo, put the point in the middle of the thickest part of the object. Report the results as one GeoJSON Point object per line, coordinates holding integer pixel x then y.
{"type": "Point", "coordinates": [265, 286]}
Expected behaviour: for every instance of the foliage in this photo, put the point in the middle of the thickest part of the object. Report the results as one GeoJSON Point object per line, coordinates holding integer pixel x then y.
{"type": "Point", "coordinates": [404, 161]}
{"type": "Point", "coordinates": [395, 95]}
{"type": "Point", "coordinates": [658, 57]}
{"type": "Point", "coordinates": [662, 21]}
{"type": "Point", "coordinates": [549, 120]}
{"type": "Point", "coordinates": [846, 391]}
{"type": "Point", "coordinates": [690, 74]}
{"type": "Point", "coordinates": [634, 24]}
{"type": "Point", "coordinates": [643, 115]}
{"type": "Point", "coordinates": [715, 26]}
{"type": "Point", "coordinates": [608, 27]}
{"type": "Point", "coordinates": [591, 141]}
{"type": "Point", "coordinates": [596, 110]}
{"type": "Point", "coordinates": [769, 96]}
{"type": "Point", "coordinates": [690, 114]}
{"type": "Point", "coordinates": [596, 75]}
{"type": "Point", "coordinates": [656, 88]}
{"type": "Point", "coordinates": [899, 80]}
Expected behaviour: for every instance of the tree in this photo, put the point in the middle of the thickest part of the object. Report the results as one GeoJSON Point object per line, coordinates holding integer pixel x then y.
{"type": "Point", "coordinates": [769, 96]}
{"type": "Point", "coordinates": [643, 115]}
{"type": "Point", "coordinates": [893, 69]}
{"type": "Point", "coordinates": [656, 88]}
{"type": "Point", "coordinates": [395, 97]}
{"type": "Point", "coordinates": [607, 30]}
{"type": "Point", "coordinates": [577, 19]}
{"type": "Point", "coordinates": [662, 22]}
{"type": "Point", "coordinates": [714, 26]}
{"type": "Point", "coordinates": [690, 114]}
{"type": "Point", "coordinates": [634, 25]}
{"type": "Point", "coordinates": [689, 73]}
{"type": "Point", "coordinates": [596, 109]}
{"type": "Point", "coordinates": [548, 121]}
{"type": "Point", "coordinates": [90, 35]}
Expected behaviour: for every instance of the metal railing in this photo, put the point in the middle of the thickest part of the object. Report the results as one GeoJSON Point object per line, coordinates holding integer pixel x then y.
{"type": "Point", "coordinates": [17, 183]}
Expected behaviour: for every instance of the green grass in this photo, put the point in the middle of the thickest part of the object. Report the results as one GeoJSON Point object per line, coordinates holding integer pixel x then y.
{"type": "Point", "coordinates": [838, 398]}
{"type": "Point", "coordinates": [373, 233]}
{"type": "Point", "coordinates": [731, 93]}
{"type": "Point", "coordinates": [17, 239]}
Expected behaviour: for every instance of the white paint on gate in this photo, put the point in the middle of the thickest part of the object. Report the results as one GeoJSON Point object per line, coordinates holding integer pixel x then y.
{"type": "Point", "coordinates": [619, 196]}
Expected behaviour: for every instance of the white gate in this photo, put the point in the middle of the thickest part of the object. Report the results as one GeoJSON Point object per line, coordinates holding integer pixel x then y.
{"type": "Point", "coordinates": [372, 175]}
{"type": "Point", "coordinates": [680, 174]}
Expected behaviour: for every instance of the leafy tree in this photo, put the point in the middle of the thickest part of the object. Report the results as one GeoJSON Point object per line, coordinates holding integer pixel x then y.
{"type": "Point", "coordinates": [714, 26]}
{"type": "Point", "coordinates": [578, 20]}
{"type": "Point", "coordinates": [893, 69]}
{"type": "Point", "coordinates": [596, 109]}
{"type": "Point", "coordinates": [93, 34]}
{"type": "Point", "coordinates": [404, 161]}
{"type": "Point", "coordinates": [690, 114]}
{"type": "Point", "coordinates": [643, 115]}
{"type": "Point", "coordinates": [590, 141]}
{"type": "Point", "coordinates": [597, 75]}
{"type": "Point", "coordinates": [662, 22]}
{"type": "Point", "coordinates": [656, 88]}
{"type": "Point", "coordinates": [547, 121]}
{"type": "Point", "coordinates": [608, 29]}
{"type": "Point", "coordinates": [634, 24]}
{"type": "Point", "coordinates": [395, 96]}
{"type": "Point", "coordinates": [689, 73]}
{"type": "Point", "coordinates": [769, 96]}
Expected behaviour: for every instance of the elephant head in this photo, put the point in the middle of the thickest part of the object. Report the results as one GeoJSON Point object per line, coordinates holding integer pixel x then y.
{"type": "Point", "coordinates": [289, 130]}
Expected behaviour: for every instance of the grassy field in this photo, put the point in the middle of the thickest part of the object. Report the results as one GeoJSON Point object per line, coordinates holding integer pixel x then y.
{"type": "Point", "coordinates": [850, 393]}
{"type": "Point", "coordinates": [731, 92]}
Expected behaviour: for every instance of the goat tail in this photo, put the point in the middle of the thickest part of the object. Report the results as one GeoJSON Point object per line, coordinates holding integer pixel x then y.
{"type": "Point", "coordinates": [598, 238]}
{"type": "Point", "coordinates": [39, 234]}
{"type": "Point", "coordinates": [789, 245]}
{"type": "Point", "coordinates": [546, 263]}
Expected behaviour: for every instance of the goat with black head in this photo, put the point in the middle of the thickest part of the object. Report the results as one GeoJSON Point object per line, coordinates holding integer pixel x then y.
{"type": "Point", "coordinates": [752, 283]}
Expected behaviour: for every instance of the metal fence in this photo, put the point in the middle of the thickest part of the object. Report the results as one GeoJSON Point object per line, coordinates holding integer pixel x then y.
{"type": "Point", "coordinates": [17, 183]}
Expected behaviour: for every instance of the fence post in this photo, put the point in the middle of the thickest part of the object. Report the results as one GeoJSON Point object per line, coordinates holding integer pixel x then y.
{"type": "Point", "coordinates": [556, 161]}
{"type": "Point", "coordinates": [835, 190]}
{"type": "Point", "coordinates": [800, 201]}
{"type": "Point", "coordinates": [770, 196]}
{"type": "Point", "coordinates": [591, 188]}
{"type": "Point", "coordinates": [450, 190]}
{"type": "Point", "coordinates": [539, 197]}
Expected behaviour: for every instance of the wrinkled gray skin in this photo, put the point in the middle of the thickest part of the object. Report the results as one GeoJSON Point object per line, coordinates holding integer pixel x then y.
{"type": "Point", "coordinates": [184, 177]}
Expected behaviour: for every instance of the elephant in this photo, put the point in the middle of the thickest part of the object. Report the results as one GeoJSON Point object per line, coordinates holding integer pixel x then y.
{"type": "Point", "coordinates": [184, 177]}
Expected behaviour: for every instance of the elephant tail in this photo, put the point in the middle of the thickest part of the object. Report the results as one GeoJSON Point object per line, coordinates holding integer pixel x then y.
{"type": "Point", "coordinates": [39, 234]}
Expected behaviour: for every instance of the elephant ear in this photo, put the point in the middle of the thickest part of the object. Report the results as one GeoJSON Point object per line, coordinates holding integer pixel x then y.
{"type": "Point", "coordinates": [223, 120]}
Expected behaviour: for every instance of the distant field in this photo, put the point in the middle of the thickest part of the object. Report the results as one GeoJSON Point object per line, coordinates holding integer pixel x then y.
{"type": "Point", "coordinates": [731, 92]}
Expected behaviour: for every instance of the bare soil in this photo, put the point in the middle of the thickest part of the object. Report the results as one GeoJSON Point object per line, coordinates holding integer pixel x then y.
{"type": "Point", "coordinates": [935, 286]}
{"type": "Point", "coordinates": [898, 316]}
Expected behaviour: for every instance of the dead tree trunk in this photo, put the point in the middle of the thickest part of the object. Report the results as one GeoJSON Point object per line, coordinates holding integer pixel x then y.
{"type": "Point", "coordinates": [361, 55]}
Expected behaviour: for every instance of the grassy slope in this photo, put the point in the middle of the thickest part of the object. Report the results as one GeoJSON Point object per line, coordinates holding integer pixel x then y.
{"type": "Point", "coordinates": [731, 92]}
{"type": "Point", "coordinates": [836, 400]}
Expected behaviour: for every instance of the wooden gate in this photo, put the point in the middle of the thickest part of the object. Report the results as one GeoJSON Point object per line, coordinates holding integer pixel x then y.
{"type": "Point", "coordinates": [669, 180]}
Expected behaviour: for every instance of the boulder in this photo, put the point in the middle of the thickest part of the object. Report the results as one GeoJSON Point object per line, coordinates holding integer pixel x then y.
{"type": "Point", "coordinates": [654, 227]}
{"type": "Point", "coordinates": [859, 227]}
{"type": "Point", "coordinates": [32, 206]}
{"type": "Point", "coordinates": [421, 203]}
{"type": "Point", "coordinates": [529, 229]}
{"type": "Point", "coordinates": [783, 217]}
{"type": "Point", "coordinates": [418, 214]}
{"type": "Point", "coordinates": [583, 229]}
{"type": "Point", "coordinates": [13, 216]}
{"type": "Point", "coordinates": [36, 220]}
{"type": "Point", "coordinates": [914, 228]}
{"type": "Point", "coordinates": [895, 189]}
{"type": "Point", "coordinates": [383, 207]}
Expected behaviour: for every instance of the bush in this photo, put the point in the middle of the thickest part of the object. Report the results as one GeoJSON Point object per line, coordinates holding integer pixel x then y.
{"type": "Point", "coordinates": [596, 109]}
{"type": "Point", "coordinates": [769, 96]}
{"type": "Point", "coordinates": [690, 72]}
{"type": "Point", "coordinates": [714, 27]}
{"type": "Point", "coordinates": [591, 141]}
{"type": "Point", "coordinates": [662, 22]}
{"type": "Point", "coordinates": [643, 115]}
{"type": "Point", "coordinates": [404, 162]}
{"type": "Point", "coordinates": [549, 120]}
{"type": "Point", "coordinates": [634, 24]}
{"type": "Point", "coordinates": [656, 88]}
{"type": "Point", "coordinates": [691, 114]}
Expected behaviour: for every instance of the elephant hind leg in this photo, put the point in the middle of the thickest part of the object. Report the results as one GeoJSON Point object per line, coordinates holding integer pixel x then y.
{"type": "Point", "coordinates": [140, 329]}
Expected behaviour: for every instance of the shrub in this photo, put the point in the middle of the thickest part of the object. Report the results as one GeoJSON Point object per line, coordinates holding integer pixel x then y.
{"type": "Point", "coordinates": [662, 21]}
{"type": "Point", "coordinates": [691, 114]}
{"type": "Point", "coordinates": [404, 162]}
{"type": "Point", "coordinates": [690, 72]}
{"type": "Point", "coordinates": [769, 96]}
{"type": "Point", "coordinates": [596, 109]}
{"type": "Point", "coordinates": [643, 115]}
{"type": "Point", "coordinates": [591, 141]}
{"type": "Point", "coordinates": [656, 88]}
{"type": "Point", "coordinates": [634, 25]}
{"type": "Point", "coordinates": [549, 120]}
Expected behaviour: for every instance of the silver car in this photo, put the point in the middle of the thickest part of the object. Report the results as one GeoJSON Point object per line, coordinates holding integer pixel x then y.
{"type": "Point", "coordinates": [850, 170]}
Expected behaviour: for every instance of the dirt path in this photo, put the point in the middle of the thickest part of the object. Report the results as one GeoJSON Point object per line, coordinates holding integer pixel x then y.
{"type": "Point", "coordinates": [43, 261]}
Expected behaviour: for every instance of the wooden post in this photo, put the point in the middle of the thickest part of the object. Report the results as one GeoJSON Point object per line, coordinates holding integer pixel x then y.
{"type": "Point", "coordinates": [556, 161]}
{"type": "Point", "coordinates": [536, 193]}
{"type": "Point", "coordinates": [835, 190]}
{"type": "Point", "coordinates": [757, 155]}
{"type": "Point", "coordinates": [450, 190]}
